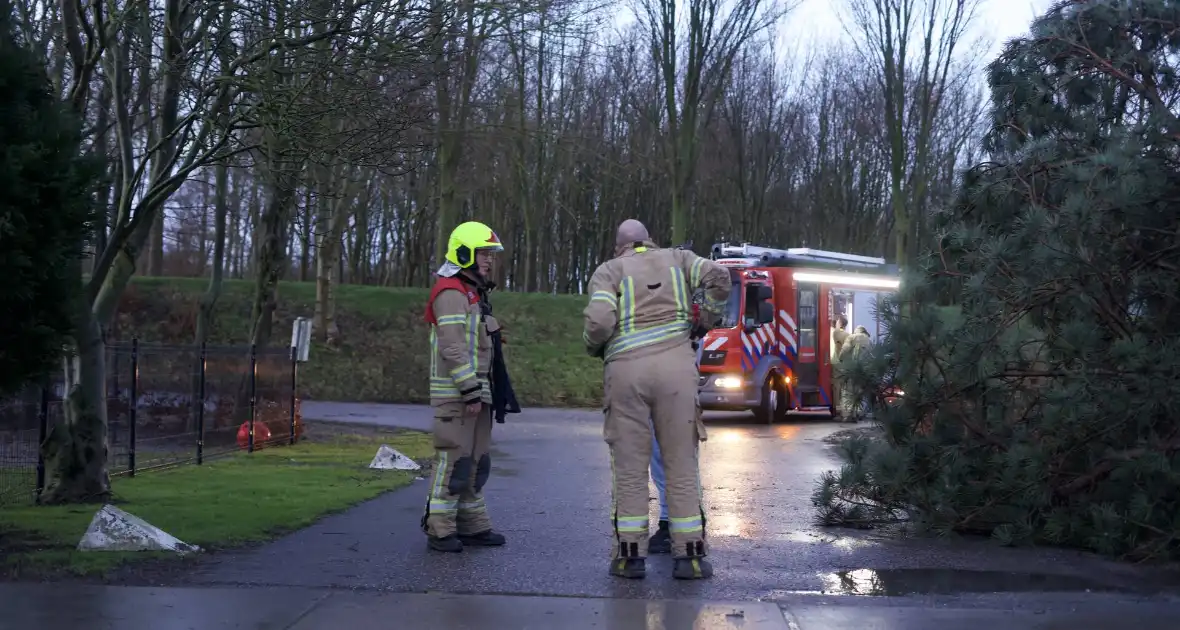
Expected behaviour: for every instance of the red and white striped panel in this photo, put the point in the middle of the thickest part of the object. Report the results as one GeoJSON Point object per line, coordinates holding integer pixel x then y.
{"type": "Point", "coordinates": [787, 331]}
{"type": "Point", "coordinates": [717, 343]}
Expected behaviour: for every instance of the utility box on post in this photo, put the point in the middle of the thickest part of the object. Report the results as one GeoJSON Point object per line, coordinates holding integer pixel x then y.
{"type": "Point", "coordinates": [301, 339]}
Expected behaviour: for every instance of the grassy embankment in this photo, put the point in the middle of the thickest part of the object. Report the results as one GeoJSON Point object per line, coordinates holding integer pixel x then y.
{"type": "Point", "coordinates": [228, 502]}
{"type": "Point", "coordinates": [383, 355]}
{"type": "Point", "coordinates": [248, 498]}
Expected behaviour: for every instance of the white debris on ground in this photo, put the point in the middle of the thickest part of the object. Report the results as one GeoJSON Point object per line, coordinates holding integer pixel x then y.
{"type": "Point", "coordinates": [112, 529]}
{"type": "Point", "coordinates": [388, 458]}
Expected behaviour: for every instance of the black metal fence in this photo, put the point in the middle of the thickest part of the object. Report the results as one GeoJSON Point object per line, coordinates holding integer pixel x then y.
{"type": "Point", "coordinates": [167, 405]}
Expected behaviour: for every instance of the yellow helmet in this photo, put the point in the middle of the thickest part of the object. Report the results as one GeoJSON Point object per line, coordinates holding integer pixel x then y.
{"type": "Point", "coordinates": [469, 237]}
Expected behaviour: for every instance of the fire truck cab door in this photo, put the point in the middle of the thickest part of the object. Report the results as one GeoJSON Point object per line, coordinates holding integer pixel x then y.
{"type": "Point", "coordinates": [807, 317]}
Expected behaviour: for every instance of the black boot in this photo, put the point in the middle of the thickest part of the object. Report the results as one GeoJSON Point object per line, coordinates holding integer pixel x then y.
{"type": "Point", "coordinates": [448, 544]}
{"type": "Point", "coordinates": [486, 538]}
{"type": "Point", "coordinates": [661, 541]}
{"type": "Point", "coordinates": [630, 568]}
{"type": "Point", "coordinates": [692, 568]}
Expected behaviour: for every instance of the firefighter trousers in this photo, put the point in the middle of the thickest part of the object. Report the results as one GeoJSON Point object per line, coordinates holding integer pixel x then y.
{"type": "Point", "coordinates": [641, 393]}
{"type": "Point", "coordinates": [462, 467]}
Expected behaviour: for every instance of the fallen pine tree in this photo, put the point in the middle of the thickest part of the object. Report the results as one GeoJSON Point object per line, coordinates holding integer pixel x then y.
{"type": "Point", "coordinates": [1043, 406]}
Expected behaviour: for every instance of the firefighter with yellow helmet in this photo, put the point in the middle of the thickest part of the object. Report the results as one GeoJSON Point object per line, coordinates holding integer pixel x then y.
{"type": "Point", "coordinates": [464, 357]}
{"type": "Point", "coordinates": [640, 321]}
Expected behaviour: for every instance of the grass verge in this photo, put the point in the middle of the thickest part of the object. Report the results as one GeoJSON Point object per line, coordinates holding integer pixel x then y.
{"type": "Point", "coordinates": [233, 501]}
{"type": "Point", "coordinates": [383, 355]}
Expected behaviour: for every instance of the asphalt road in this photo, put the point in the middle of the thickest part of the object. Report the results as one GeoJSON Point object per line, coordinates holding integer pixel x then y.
{"type": "Point", "coordinates": [549, 494]}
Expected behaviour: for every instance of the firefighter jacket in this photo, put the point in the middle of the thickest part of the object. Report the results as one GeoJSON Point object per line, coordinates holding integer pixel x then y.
{"type": "Point", "coordinates": [460, 347]}
{"type": "Point", "coordinates": [839, 338]}
{"type": "Point", "coordinates": [854, 344]}
{"type": "Point", "coordinates": [503, 395]}
{"type": "Point", "coordinates": [641, 301]}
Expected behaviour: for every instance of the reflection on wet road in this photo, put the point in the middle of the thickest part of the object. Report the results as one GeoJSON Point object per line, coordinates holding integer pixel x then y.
{"type": "Point", "coordinates": [106, 608]}
{"type": "Point", "coordinates": [898, 582]}
{"type": "Point", "coordinates": [552, 502]}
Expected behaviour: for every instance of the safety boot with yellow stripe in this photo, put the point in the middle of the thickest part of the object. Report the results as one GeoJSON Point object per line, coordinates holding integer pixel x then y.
{"type": "Point", "coordinates": [692, 568]}
{"type": "Point", "coordinates": [630, 568]}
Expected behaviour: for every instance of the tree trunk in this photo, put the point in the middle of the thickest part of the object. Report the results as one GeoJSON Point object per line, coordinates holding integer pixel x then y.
{"type": "Point", "coordinates": [213, 291]}
{"type": "Point", "coordinates": [327, 262]}
{"type": "Point", "coordinates": [76, 449]}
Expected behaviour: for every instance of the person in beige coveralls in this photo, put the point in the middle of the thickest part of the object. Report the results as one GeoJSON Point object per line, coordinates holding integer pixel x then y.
{"type": "Point", "coordinates": [640, 322]}
{"type": "Point", "coordinates": [460, 392]}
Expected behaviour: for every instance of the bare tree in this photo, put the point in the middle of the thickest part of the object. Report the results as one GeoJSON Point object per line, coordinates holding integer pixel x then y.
{"type": "Point", "coordinates": [912, 45]}
{"type": "Point", "coordinates": [713, 40]}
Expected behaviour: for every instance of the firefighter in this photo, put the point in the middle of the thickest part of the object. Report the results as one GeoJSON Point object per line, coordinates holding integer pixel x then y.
{"type": "Point", "coordinates": [461, 352]}
{"type": "Point", "coordinates": [639, 321]}
{"type": "Point", "coordinates": [853, 345]}
{"type": "Point", "coordinates": [838, 337]}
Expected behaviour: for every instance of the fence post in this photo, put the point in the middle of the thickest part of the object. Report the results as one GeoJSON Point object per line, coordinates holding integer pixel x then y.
{"type": "Point", "coordinates": [253, 393]}
{"type": "Point", "coordinates": [42, 432]}
{"type": "Point", "coordinates": [201, 411]}
{"type": "Point", "coordinates": [134, 405]}
{"type": "Point", "coordinates": [116, 392]}
{"type": "Point", "coordinates": [294, 372]}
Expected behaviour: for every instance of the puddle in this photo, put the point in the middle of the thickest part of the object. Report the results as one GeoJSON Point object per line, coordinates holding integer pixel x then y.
{"type": "Point", "coordinates": [839, 542]}
{"type": "Point", "coordinates": [897, 582]}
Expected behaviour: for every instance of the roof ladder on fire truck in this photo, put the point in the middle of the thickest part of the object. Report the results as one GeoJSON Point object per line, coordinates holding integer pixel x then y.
{"type": "Point", "coordinates": [797, 255]}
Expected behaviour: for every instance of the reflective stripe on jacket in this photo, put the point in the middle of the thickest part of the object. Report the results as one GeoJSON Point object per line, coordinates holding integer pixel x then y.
{"type": "Point", "coordinates": [641, 301]}
{"type": "Point", "coordinates": [460, 348]}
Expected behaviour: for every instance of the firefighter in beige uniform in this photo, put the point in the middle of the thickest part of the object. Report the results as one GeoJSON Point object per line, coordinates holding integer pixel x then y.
{"type": "Point", "coordinates": [460, 358]}
{"type": "Point", "coordinates": [839, 336]}
{"type": "Point", "coordinates": [854, 344]}
{"type": "Point", "coordinates": [639, 321]}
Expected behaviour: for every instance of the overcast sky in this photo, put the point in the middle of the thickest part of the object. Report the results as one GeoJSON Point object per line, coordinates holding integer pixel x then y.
{"type": "Point", "coordinates": [819, 20]}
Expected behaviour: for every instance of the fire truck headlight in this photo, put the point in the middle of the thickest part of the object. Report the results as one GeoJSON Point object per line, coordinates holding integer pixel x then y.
{"type": "Point", "coordinates": [728, 382]}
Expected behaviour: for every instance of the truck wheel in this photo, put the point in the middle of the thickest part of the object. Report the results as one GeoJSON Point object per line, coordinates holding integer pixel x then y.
{"type": "Point", "coordinates": [769, 402]}
{"type": "Point", "coordinates": [784, 402]}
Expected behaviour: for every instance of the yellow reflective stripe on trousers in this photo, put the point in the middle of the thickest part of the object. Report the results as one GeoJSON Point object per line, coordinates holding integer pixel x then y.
{"type": "Point", "coordinates": [438, 501]}
{"type": "Point", "coordinates": [473, 506]}
{"type": "Point", "coordinates": [627, 305]}
{"type": "Point", "coordinates": [695, 273]}
{"type": "Point", "coordinates": [624, 342]}
{"type": "Point", "coordinates": [686, 524]}
{"type": "Point", "coordinates": [622, 523]}
{"type": "Point", "coordinates": [681, 291]}
{"type": "Point", "coordinates": [631, 524]}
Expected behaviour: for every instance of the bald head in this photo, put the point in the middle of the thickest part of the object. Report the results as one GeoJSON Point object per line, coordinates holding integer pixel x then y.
{"type": "Point", "coordinates": [631, 231]}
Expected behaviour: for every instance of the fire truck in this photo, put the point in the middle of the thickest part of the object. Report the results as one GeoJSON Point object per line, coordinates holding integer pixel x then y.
{"type": "Point", "coordinates": [771, 353]}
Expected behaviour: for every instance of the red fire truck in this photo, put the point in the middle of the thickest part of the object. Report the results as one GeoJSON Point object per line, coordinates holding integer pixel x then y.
{"type": "Point", "coordinates": [771, 353]}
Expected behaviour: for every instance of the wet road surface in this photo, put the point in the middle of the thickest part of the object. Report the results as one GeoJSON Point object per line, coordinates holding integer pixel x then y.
{"type": "Point", "coordinates": [549, 494]}
{"type": "Point", "coordinates": [78, 607]}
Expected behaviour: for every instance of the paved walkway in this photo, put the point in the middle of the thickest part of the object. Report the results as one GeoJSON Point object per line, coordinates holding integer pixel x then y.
{"type": "Point", "coordinates": [776, 570]}
{"type": "Point", "coordinates": [75, 607]}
